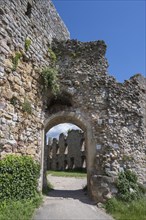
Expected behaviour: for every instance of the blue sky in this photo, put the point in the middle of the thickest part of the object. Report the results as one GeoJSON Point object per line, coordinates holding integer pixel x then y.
{"type": "Point", "coordinates": [61, 128]}
{"type": "Point", "coordinates": [121, 24]}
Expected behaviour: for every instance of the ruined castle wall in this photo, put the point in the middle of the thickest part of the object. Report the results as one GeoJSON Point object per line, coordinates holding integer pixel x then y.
{"type": "Point", "coordinates": [21, 90]}
{"type": "Point", "coordinates": [75, 141]}
{"type": "Point", "coordinates": [67, 152]}
{"type": "Point", "coordinates": [40, 27]}
{"type": "Point", "coordinates": [115, 110]}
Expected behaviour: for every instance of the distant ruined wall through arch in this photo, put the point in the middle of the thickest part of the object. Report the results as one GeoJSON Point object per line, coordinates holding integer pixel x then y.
{"type": "Point", "coordinates": [67, 152]}
{"type": "Point", "coordinates": [112, 114]}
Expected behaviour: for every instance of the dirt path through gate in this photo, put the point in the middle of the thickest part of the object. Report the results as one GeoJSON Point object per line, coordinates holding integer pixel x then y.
{"type": "Point", "coordinates": [68, 201]}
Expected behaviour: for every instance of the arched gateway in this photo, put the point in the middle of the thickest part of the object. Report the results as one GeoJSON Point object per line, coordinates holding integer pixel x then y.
{"type": "Point", "coordinates": [81, 121]}
{"type": "Point", "coordinates": [111, 114]}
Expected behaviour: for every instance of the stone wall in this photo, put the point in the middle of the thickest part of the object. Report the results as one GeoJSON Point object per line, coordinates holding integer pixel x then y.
{"type": "Point", "coordinates": [68, 152]}
{"type": "Point", "coordinates": [115, 110]}
{"type": "Point", "coordinates": [20, 89]}
{"type": "Point", "coordinates": [112, 115]}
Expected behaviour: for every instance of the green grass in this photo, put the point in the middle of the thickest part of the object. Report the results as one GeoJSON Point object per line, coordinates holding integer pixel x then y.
{"type": "Point", "coordinates": [135, 210]}
{"type": "Point", "coordinates": [67, 174]}
{"type": "Point", "coordinates": [19, 210]}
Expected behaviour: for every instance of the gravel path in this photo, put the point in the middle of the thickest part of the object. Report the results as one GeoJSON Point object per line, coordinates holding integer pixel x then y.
{"type": "Point", "coordinates": [67, 183]}
{"type": "Point", "coordinates": [69, 202]}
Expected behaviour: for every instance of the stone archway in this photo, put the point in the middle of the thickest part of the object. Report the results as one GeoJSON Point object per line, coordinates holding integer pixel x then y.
{"type": "Point", "coordinates": [80, 120]}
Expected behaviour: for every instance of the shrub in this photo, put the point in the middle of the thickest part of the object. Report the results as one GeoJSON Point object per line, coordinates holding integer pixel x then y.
{"type": "Point", "coordinates": [27, 44]}
{"type": "Point", "coordinates": [18, 177]}
{"type": "Point", "coordinates": [128, 188]}
{"type": "Point", "coordinates": [50, 79]}
{"type": "Point", "coordinates": [15, 60]}
{"type": "Point", "coordinates": [26, 106]}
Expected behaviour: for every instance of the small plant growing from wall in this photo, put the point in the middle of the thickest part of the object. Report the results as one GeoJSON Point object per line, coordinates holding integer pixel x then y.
{"type": "Point", "coordinates": [27, 44]}
{"type": "Point", "coordinates": [15, 60]}
{"type": "Point", "coordinates": [26, 106]}
{"type": "Point", "coordinates": [14, 101]}
{"type": "Point", "coordinates": [127, 158]}
{"type": "Point", "coordinates": [52, 55]}
{"type": "Point", "coordinates": [50, 79]}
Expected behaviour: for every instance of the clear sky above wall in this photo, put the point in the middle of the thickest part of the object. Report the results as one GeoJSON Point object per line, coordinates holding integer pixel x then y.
{"type": "Point", "coordinates": [61, 128]}
{"type": "Point", "coordinates": [121, 24]}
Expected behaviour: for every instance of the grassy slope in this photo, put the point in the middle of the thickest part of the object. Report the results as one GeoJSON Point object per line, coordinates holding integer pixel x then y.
{"type": "Point", "coordinates": [19, 210]}
{"type": "Point", "coordinates": [67, 174]}
{"type": "Point", "coordinates": [135, 210]}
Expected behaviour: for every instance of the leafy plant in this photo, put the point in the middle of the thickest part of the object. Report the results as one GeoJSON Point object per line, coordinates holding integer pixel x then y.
{"type": "Point", "coordinates": [26, 106]}
{"type": "Point", "coordinates": [15, 60]}
{"type": "Point", "coordinates": [27, 44]}
{"type": "Point", "coordinates": [18, 177]}
{"type": "Point", "coordinates": [52, 55]}
{"type": "Point", "coordinates": [50, 79]}
{"type": "Point", "coordinates": [128, 188]}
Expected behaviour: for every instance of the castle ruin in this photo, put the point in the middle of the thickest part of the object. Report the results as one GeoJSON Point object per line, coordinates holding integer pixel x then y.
{"type": "Point", "coordinates": [67, 153]}
{"type": "Point", "coordinates": [112, 115]}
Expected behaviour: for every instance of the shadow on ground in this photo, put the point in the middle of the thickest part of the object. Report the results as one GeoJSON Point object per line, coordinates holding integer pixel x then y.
{"type": "Point", "coordinates": [79, 194]}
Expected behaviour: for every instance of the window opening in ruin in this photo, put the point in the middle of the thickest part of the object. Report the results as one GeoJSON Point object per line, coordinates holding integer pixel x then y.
{"type": "Point", "coordinates": [83, 146]}
{"type": "Point", "coordinates": [65, 165]}
{"type": "Point", "coordinates": [66, 150]}
{"type": "Point", "coordinates": [72, 165]}
{"type": "Point", "coordinates": [57, 150]}
{"type": "Point", "coordinates": [57, 166]}
{"type": "Point", "coordinates": [83, 162]}
{"type": "Point", "coordinates": [29, 9]}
